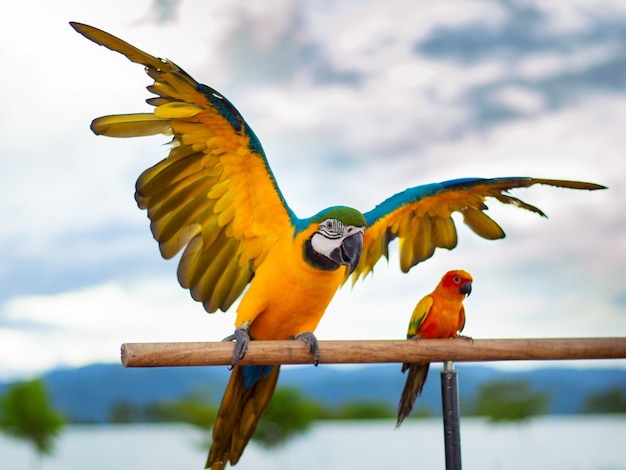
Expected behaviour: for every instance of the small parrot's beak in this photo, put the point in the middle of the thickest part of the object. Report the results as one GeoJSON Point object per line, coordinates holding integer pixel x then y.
{"type": "Point", "coordinates": [466, 288]}
{"type": "Point", "coordinates": [349, 253]}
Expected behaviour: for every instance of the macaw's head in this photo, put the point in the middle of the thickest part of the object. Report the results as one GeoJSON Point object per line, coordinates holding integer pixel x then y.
{"type": "Point", "coordinates": [337, 240]}
{"type": "Point", "coordinates": [457, 282]}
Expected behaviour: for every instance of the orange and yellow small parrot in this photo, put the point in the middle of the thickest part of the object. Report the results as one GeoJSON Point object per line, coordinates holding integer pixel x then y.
{"type": "Point", "coordinates": [215, 198]}
{"type": "Point", "coordinates": [440, 314]}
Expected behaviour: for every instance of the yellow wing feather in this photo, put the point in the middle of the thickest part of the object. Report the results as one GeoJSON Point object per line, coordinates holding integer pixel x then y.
{"type": "Point", "coordinates": [420, 217]}
{"type": "Point", "coordinates": [214, 195]}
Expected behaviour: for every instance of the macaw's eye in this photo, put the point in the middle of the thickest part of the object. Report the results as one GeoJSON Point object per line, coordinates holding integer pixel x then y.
{"type": "Point", "coordinates": [457, 279]}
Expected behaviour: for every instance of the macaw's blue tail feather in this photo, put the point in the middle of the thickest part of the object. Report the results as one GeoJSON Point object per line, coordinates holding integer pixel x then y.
{"type": "Point", "coordinates": [252, 374]}
{"type": "Point", "coordinates": [247, 394]}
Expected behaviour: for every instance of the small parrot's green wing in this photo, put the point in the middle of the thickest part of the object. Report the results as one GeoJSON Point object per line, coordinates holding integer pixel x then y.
{"type": "Point", "coordinates": [420, 312]}
{"type": "Point", "coordinates": [420, 217]}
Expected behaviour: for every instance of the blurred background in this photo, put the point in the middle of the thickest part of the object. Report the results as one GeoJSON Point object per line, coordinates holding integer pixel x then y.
{"type": "Point", "coordinates": [353, 101]}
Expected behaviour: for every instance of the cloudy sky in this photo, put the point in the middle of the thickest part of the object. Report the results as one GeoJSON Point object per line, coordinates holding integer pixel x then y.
{"type": "Point", "coordinates": [353, 101]}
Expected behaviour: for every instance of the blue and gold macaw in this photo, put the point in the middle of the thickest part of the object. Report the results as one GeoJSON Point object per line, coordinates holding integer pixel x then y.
{"type": "Point", "coordinates": [215, 198]}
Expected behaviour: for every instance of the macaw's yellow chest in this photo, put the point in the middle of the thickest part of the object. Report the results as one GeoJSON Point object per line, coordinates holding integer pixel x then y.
{"type": "Point", "coordinates": [287, 296]}
{"type": "Point", "coordinates": [443, 321]}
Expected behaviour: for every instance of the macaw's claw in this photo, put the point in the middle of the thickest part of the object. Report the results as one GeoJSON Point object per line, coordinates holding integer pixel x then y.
{"type": "Point", "coordinates": [241, 338]}
{"type": "Point", "coordinates": [310, 339]}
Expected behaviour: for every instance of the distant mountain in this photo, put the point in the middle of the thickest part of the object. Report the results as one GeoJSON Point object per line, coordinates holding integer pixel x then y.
{"type": "Point", "coordinates": [87, 393]}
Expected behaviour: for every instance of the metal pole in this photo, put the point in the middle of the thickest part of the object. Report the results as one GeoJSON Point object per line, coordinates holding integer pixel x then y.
{"type": "Point", "coordinates": [451, 427]}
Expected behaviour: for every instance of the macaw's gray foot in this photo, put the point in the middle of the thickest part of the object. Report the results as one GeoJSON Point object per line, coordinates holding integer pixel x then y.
{"type": "Point", "coordinates": [310, 339]}
{"type": "Point", "coordinates": [466, 338]}
{"type": "Point", "coordinates": [241, 337]}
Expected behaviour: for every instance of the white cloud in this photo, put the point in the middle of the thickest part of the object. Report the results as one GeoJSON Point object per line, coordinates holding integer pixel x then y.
{"type": "Point", "coordinates": [520, 99]}
{"type": "Point", "coordinates": [76, 328]}
{"type": "Point", "coordinates": [576, 16]}
{"type": "Point", "coordinates": [405, 122]}
{"type": "Point", "coordinates": [542, 65]}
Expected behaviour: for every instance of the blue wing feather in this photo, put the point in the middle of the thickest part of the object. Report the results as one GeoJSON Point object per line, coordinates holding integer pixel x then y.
{"type": "Point", "coordinates": [420, 217]}
{"type": "Point", "coordinates": [417, 193]}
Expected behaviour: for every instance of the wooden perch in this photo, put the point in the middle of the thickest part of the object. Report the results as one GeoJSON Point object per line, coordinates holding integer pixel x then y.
{"type": "Point", "coordinates": [351, 352]}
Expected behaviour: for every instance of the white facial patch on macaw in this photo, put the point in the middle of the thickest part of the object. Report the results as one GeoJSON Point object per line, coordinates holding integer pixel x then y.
{"type": "Point", "coordinates": [331, 234]}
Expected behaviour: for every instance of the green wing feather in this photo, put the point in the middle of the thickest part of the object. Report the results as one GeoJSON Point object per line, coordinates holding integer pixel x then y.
{"type": "Point", "coordinates": [420, 312]}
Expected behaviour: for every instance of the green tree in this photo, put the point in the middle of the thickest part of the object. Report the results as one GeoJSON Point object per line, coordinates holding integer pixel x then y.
{"type": "Point", "coordinates": [611, 400]}
{"type": "Point", "coordinates": [26, 413]}
{"type": "Point", "coordinates": [355, 410]}
{"type": "Point", "coordinates": [289, 413]}
{"type": "Point", "coordinates": [123, 411]}
{"type": "Point", "coordinates": [513, 400]}
{"type": "Point", "coordinates": [191, 409]}
{"type": "Point", "coordinates": [194, 409]}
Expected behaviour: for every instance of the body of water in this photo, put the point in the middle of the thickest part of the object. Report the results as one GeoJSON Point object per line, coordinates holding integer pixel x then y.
{"type": "Point", "coordinates": [576, 443]}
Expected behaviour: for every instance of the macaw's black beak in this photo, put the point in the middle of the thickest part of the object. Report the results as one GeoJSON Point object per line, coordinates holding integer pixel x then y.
{"type": "Point", "coordinates": [466, 288]}
{"type": "Point", "coordinates": [349, 253]}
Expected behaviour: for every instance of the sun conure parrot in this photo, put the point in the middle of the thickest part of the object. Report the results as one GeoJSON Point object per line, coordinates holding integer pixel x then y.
{"type": "Point", "coordinates": [215, 198]}
{"type": "Point", "coordinates": [440, 314]}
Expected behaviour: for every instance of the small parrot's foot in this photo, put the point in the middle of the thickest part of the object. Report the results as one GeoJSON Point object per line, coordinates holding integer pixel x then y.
{"type": "Point", "coordinates": [310, 339]}
{"type": "Point", "coordinates": [466, 338]}
{"type": "Point", "coordinates": [414, 338]}
{"type": "Point", "coordinates": [241, 338]}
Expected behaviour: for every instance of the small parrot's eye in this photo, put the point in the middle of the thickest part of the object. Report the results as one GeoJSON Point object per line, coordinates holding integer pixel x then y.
{"type": "Point", "coordinates": [457, 279]}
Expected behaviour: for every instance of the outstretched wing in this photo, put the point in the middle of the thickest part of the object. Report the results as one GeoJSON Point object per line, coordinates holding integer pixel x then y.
{"type": "Point", "coordinates": [214, 194]}
{"type": "Point", "coordinates": [420, 217]}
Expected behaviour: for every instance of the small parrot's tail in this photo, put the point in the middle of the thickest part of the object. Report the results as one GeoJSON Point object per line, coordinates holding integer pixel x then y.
{"type": "Point", "coordinates": [247, 394]}
{"type": "Point", "coordinates": [415, 380]}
